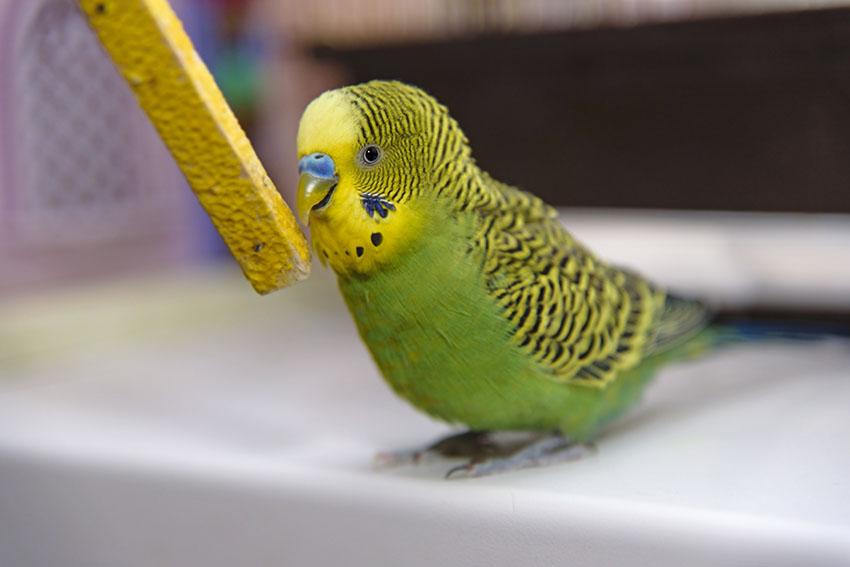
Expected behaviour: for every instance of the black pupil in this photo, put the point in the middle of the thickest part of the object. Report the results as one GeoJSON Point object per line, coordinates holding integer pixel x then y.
{"type": "Point", "coordinates": [371, 154]}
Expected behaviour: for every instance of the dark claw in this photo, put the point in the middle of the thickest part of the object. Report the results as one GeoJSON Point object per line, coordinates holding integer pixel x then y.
{"type": "Point", "coordinates": [468, 468]}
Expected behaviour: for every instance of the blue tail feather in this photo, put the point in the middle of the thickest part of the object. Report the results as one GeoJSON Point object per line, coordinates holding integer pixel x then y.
{"type": "Point", "coordinates": [761, 330]}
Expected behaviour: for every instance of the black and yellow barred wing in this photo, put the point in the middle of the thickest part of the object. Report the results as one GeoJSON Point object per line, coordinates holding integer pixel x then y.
{"type": "Point", "coordinates": [578, 317]}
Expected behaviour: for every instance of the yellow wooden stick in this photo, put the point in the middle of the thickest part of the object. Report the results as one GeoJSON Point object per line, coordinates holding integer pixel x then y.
{"type": "Point", "coordinates": [148, 45]}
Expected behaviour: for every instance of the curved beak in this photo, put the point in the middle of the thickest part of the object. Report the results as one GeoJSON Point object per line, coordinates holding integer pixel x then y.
{"type": "Point", "coordinates": [316, 184]}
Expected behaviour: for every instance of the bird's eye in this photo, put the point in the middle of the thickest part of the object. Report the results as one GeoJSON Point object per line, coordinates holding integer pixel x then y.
{"type": "Point", "coordinates": [370, 154]}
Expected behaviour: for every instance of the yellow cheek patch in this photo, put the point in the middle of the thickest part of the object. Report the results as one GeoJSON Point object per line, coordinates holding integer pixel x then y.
{"type": "Point", "coordinates": [353, 242]}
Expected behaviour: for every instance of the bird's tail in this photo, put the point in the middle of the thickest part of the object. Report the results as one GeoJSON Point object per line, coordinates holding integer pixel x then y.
{"type": "Point", "coordinates": [726, 331]}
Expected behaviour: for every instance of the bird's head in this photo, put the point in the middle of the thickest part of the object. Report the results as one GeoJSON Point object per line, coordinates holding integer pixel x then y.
{"type": "Point", "coordinates": [369, 158]}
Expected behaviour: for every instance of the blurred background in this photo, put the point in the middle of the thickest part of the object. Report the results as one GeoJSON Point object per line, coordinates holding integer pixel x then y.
{"type": "Point", "coordinates": [702, 142]}
{"type": "Point", "coordinates": [608, 104]}
{"type": "Point", "coordinates": [709, 105]}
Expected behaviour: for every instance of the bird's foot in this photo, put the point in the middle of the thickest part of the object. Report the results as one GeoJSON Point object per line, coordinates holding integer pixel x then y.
{"type": "Point", "coordinates": [476, 444]}
{"type": "Point", "coordinates": [544, 451]}
{"type": "Point", "coordinates": [490, 452]}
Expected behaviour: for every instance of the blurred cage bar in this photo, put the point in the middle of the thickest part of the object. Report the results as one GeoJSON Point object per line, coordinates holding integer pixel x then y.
{"type": "Point", "coordinates": [671, 104]}
{"type": "Point", "coordinates": [86, 186]}
{"type": "Point", "coordinates": [352, 23]}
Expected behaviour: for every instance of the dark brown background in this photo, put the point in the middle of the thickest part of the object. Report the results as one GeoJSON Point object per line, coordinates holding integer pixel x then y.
{"type": "Point", "coordinates": [731, 114]}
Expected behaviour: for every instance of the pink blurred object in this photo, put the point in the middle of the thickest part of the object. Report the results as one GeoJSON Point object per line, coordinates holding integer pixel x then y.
{"type": "Point", "coordinates": [87, 189]}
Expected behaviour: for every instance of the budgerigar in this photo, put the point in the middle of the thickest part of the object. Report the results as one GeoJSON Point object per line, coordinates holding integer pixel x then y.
{"type": "Point", "coordinates": [478, 307]}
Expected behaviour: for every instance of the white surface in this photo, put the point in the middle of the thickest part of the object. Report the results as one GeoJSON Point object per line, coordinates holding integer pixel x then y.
{"type": "Point", "coordinates": [788, 260]}
{"type": "Point", "coordinates": [185, 421]}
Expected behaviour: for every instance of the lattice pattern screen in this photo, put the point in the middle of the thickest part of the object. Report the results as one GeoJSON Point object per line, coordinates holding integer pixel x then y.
{"type": "Point", "coordinates": [71, 125]}
{"type": "Point", "coordinates": [83, 171]}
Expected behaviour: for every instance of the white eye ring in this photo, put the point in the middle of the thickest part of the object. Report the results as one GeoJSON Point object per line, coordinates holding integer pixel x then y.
{"type": "Point", "coordinates": [370, 155]}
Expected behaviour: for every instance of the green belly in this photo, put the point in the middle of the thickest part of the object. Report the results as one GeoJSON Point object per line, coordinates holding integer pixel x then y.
{"type": "Point", "coordinates": [441, 342]}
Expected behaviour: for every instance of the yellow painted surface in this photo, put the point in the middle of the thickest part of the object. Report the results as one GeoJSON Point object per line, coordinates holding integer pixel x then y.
{"type": "Point", "coordinates": [148, 45]}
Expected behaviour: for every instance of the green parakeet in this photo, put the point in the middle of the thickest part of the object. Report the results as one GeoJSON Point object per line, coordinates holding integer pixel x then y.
{"type": "Point", "coordinates": [477, 305]}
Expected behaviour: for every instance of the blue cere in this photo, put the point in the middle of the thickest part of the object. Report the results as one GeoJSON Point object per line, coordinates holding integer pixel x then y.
{"type": "Point", "coordinates": [318, 164]}
{"type": "Point", "coordinates": [376, 204]}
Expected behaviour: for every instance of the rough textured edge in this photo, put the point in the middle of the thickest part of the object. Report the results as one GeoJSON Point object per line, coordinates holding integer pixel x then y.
{"type": "Point", "coordinates": [148, 45]}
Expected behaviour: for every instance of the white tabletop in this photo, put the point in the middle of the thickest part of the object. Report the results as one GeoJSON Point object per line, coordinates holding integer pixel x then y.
{"type": "Point", "coordinates": [182, 420]}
